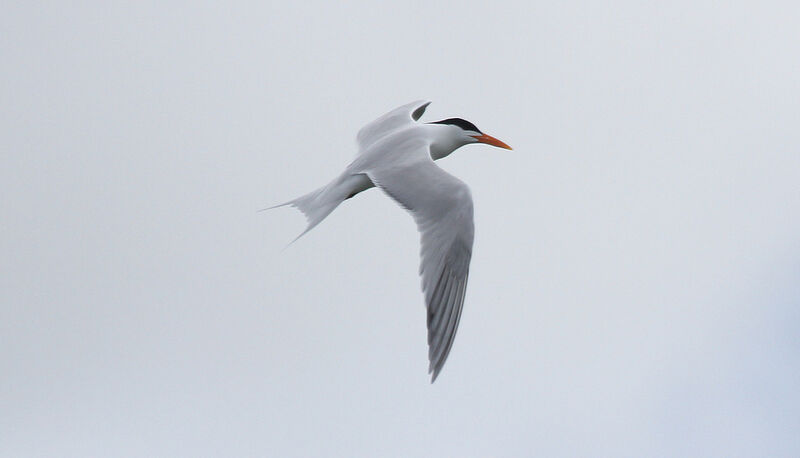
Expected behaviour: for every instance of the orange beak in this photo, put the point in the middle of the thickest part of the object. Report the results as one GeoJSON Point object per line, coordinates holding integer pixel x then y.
{"type": "Point", "coordinates": [489, 140]}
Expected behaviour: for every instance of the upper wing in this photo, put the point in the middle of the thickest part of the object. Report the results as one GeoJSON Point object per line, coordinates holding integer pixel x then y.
{"type": "Point", "coordinates": [391, 121]}
{"type": "Point", "coordinates": [442, 207]}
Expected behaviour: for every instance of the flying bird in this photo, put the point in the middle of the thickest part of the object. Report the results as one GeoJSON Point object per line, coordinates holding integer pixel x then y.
{"type": "Point", "coordinates": [396, 154]}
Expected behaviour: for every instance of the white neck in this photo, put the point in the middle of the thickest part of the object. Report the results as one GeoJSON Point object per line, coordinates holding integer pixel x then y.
{"type": "Point", "coordinates": [446, 139]}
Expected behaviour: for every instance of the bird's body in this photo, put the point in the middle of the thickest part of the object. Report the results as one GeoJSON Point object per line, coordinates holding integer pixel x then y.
{"type": "Point", "coordinates": [396, 153]}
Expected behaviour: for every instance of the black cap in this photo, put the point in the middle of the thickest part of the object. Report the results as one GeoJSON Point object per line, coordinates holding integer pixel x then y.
{"type": "Point", "coordinates": [462, 123]}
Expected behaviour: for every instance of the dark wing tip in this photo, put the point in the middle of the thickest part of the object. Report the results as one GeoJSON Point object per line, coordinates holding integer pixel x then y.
{"type": "Point", "coordinates": [434, 375]}
{"type": "Point", "coordinates": [420, 111]}
{"type": "Point", "coordinates": [443, 323]}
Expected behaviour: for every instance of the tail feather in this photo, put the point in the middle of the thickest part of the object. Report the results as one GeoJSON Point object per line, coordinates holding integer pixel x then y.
{"type": "Point", "coordinates": [275, 206]}
{"type": "Point", "coordinates": [315, 205]}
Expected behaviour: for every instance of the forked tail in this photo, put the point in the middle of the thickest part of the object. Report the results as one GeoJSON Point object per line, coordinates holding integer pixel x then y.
{"type": "Point", "coordinates": [316, 205]}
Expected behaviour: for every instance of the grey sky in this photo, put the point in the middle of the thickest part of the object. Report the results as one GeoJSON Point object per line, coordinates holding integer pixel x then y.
{"type": "Point", "coordinates": [634, 284]}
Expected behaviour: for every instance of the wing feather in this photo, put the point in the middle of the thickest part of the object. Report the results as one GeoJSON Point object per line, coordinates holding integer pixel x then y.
{"type": "Point", "coordinates": [441, 205]}
{"type": "Point", "coordinates": [398, 118]}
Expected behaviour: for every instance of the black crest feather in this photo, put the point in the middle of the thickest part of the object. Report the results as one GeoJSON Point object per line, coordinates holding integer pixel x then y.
{"type": "Point", "coordinates": [462, 123]}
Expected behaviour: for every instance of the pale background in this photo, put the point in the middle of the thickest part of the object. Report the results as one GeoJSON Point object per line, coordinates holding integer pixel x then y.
{"type": "Point", "coordinates": [636, 273]}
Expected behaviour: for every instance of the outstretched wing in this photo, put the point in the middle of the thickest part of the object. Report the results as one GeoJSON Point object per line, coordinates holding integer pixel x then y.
{"type": "Point", "coordinates": [442, 208]}
{"type": "Point", "coordinates": [391, 121]}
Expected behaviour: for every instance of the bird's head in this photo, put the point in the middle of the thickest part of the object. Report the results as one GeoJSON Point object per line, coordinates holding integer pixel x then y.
{"type": "Point", "coordinates": [457, 132]}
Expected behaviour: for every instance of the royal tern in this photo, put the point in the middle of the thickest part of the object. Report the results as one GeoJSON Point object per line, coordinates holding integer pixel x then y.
{"type": "Point", "coordinates": [396, 154]}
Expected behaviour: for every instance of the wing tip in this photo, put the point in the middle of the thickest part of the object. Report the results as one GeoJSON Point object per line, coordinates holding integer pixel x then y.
{"type": "Point", "coordinates": [435, 366]}
{"type": "Point", "coordinates": [434, 371]}
{"type": "Point", "coordinates": [420, 110]}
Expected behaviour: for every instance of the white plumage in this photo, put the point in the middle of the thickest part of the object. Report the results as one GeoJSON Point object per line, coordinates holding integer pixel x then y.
{"type": "Point", "coordinates": [396, 154]}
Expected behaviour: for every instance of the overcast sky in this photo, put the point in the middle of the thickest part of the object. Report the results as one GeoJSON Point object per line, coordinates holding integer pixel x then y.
{"type": "Point", "coordinates": [635, 282]}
